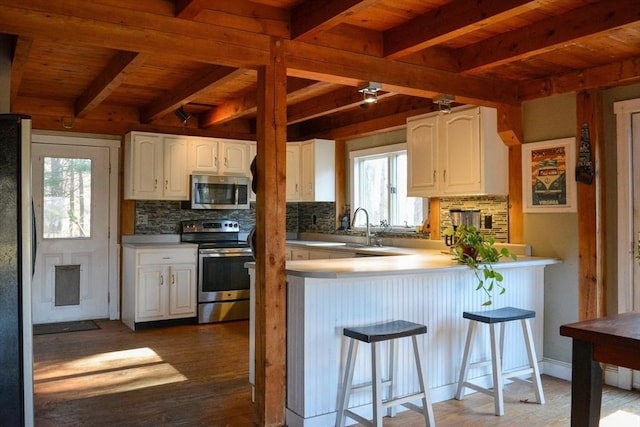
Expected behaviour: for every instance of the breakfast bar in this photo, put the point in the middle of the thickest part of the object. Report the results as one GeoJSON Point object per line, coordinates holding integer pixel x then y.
{"type": "Point", "coordinates": [421, 286]}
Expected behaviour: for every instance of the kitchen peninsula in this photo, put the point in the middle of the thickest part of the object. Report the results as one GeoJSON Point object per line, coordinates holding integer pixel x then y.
{"type": "Point", "coordinates": [419, 285]}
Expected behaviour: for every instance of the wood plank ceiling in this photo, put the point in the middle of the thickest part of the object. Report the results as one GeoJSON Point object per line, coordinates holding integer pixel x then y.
{"type": "Point", "coordinates": [111, 66]}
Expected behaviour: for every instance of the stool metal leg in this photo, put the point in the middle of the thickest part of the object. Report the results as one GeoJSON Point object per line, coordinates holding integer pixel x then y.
{"type": "Point", "coordinates": [427, 409]}
{"type": "Point", "coordinates": [465, 360]}
{"type": "Point", "coordinates": [345, 392]}
{"type": "Point", "coordinates": [377, 386]}
{"type": "Point", "coordinates": [533, 360]}
{"type": "Point", "coordinates": [496, 361]}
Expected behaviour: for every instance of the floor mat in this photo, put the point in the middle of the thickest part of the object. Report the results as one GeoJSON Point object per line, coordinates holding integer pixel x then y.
{"type": "Point", "coordinates": [56, 328]}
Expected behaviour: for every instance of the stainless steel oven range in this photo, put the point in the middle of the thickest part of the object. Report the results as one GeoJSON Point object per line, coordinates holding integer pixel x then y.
{"type": "Point", "coordinates": [223, 281]}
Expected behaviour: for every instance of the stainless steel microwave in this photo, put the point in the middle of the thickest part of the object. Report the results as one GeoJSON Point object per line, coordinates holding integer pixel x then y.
{"type": "Point", "coordinates": [220, 192]}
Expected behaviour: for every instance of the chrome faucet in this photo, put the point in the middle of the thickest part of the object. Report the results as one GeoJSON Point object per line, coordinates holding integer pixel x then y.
{"type": "Point", "coordinates": [366, 218]}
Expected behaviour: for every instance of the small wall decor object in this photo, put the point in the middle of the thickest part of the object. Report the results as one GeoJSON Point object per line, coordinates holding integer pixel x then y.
{"type": "Point", "coordinates": [585, 171]}
{"type": "Point", "coordinates": [548, 181]}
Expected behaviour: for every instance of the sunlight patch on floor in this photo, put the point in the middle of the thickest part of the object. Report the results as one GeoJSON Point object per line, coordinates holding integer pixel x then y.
{"type": "Point", "coordinates": [105, 373]}
{"type": "Point", "coordinates": [620, 419]}
{"type": "Point", "coordinates": [97, 363]}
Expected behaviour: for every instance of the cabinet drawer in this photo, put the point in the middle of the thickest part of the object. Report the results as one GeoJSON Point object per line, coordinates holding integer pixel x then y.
{"type": "Point", "coordinates": [167, 257]}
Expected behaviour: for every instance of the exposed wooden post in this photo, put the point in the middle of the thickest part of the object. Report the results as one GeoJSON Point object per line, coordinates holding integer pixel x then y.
{"type": "Point", "coordinates": [270, 296]}
{"type": "Point", "coordinates": [434, 218]}
{"type": "Point", "coordinates": [510, 131]}
{"type": "Point", "coordinates": [591, 213]}
{"type": "Point", "coordinates": [341, 172]}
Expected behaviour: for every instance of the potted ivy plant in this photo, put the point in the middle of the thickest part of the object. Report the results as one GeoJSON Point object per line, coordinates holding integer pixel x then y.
{"type": "Point", "coordinates": [476, 250]}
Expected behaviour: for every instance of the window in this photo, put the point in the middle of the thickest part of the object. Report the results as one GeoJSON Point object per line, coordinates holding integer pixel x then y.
{"type": "Point", "coordinates": [379, 185]}
{"type": "Point", "coordinates": [67, 198]}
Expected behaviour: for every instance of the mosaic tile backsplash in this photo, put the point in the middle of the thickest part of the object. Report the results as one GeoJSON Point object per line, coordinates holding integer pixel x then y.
{"type": "Point", "coordinates": [164, 217]}
{"type": "Point", "coordinates": [497, 207]}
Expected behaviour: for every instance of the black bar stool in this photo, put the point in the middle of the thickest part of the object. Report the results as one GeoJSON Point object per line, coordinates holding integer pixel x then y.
{"type": "Point", "coordinates": [492, 318]}
{"type": "Point", "coordinates": [374, 334]}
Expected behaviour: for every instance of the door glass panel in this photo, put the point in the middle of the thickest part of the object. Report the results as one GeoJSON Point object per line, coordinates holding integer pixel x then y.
{"type": "Point", "coordinates": [67, 198]}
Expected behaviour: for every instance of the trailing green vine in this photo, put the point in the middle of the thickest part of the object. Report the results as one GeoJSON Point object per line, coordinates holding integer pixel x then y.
{"type": "Point", "coordinates": [474, 249]}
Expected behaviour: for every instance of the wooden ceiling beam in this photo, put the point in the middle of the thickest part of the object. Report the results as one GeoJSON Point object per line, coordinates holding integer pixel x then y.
{"type": "Point", "coordinates": [242, 15]}
{"type": "Point", "coordinates": [389, 114]}
{"type": "Point", "coordinates": [48, 114]}
{"type": "Point", "coordinates": [247, 104]}
{"type": "Point", "coordinates": [230, 110]}
{"type": "Point", "coordinates": [452, 20]}
{"type": "Point", "coordinates": [189, 9]}
{"type": "Point", "coordinates": [325, 64]}
{"type": "Point", "coordinates": [187, 92]}
{"type": "Point", "coordinates": [101, 25]}
{"type": "Point", "coordinates": [312, 17]}
{"type": "Point", "coordinates": [20, 57]}
{"type": "Point", "coordinates": [112, 76]}
{"type": "Point", "coordinates": [329, 103]}
{"type": "Point", "coordinates": [300, 89]}
{"type": "Point", "coordinates": [549, 34]}
{"type": "Point", "coordinates": [608, 75]}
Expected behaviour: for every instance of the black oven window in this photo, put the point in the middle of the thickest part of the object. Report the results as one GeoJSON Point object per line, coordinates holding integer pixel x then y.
{"type": "Point", "coordinates": [225, 273]}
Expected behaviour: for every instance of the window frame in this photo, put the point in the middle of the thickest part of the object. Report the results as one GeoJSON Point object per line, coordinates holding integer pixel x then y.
{"type": "Point", "coordinates": [386, 151]}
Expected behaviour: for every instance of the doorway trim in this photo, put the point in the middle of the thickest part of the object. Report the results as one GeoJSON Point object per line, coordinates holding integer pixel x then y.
{"type": "Point", "coordinates": [626, 239]}
{"type": "Point", "coordinates": [113, 144]}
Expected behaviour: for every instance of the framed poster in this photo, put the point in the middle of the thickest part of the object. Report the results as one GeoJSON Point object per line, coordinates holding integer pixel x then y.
{"type": "Point", "coordinates": [548, 179]}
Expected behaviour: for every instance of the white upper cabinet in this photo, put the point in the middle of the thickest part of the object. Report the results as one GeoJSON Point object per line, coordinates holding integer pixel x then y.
{"type": "Point", "coordinates": [235, 157]}
{"type": "Point", "coordinates": [293, 172]}
{"type": "Point", "coordinates": [204, 155]}
{"type": "Point", "coordinates": [456, 154]}
{"type": "Point", "coordinates": [311, 171]}
{"type": "Point", "coordinates": [156, 167]}
{"type": "Point", "coordinates": [176, 172]}
{"type": "Point", "coordinates": [220, 156]}
{"type": "Point", "coordinates": [422, 152]}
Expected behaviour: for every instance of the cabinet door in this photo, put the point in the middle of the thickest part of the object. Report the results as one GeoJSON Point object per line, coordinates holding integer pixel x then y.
{"type": "Point", "coordinates": [297, 254]}
{"type": "Point", "coordinates": [176, 172]}
{"type": "Point", "coordinates": [182, 290]}
{"type": "Point", "coordinates": [293, 172]}
{"type": "Point", "coordinates": [307, 172]}
{"type": "Point", "coordinates": [235, 158]}
{"type": "Point", "coordinates": [151, 294]}
{"type": "Point", "coordinates": [204, 155]}
{"type": "Point", "coordinates": [422, 154]}
{"type": "Point", "coordinates": [146, 166]}
{"type": "Point", "coordinates": [460, 157]}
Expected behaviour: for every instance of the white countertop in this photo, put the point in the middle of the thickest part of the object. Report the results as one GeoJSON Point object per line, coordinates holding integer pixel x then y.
{"type": "Point", "coordinates": [389, 260]}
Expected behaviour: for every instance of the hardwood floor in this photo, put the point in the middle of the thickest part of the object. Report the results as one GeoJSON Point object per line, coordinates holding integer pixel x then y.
{"type": "Point", "coordinates": [198, 376]}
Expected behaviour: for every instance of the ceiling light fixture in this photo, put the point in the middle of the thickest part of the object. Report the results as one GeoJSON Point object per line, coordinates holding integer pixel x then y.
{"type": "Point", "coordinates": [370, 92]}
{"type": "Point", "coordinates": [444, 102]}
{"type": "Point", "coordinates": [182, 115]}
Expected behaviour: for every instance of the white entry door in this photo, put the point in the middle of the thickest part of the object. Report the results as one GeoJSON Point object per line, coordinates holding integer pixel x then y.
{"type": "Point", "coordinates": [628, 187]}
{"type": "Point", "coordinates": [71, 201]}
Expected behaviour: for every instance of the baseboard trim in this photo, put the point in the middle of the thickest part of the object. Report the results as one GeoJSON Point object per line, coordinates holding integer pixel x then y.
{"type": "Point", "coordinates": [556, 368]}
{"type": "Point", "coordinates": [562, 370]}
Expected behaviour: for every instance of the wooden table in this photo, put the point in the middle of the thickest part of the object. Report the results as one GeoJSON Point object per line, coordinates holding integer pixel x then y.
{"type": "Point", "coordinates": [614, 340]}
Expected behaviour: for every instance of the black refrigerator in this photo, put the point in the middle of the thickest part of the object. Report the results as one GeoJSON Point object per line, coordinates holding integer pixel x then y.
{"type": "Point", "coordinates": [16, 268]}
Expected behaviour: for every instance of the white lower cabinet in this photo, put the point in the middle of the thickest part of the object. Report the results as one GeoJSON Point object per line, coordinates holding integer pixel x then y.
{"type": "Point", "coordinates": [158, 284]}
{"type": "Point", "coordinates": [294, 254]}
